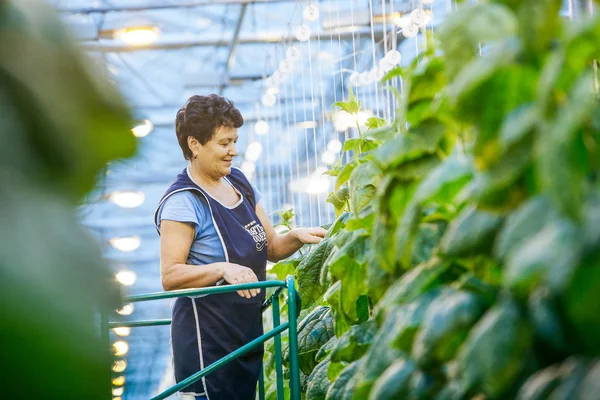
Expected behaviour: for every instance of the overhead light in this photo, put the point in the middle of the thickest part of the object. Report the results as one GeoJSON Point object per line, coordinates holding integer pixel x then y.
{"type": "Point", "coordinates": [119, 366]}
{"type": "Point", "coordinates": [343, 120]}
{"type": "Point", "coordinates": [334, 146]}
{"type": "Point", "coordinates": [120, 348]}
{"type": "Point", "coordinates": [293, 54]}
{"type": "Point", "coordinates": [137, 36]}
{"type": "Point", "coordinates": [119, 381]}
{"type": "Point", "coordinates": [126, 244]}
{"type": "Point", "coordinates": [118, 391]}
{"type": "Point", "coordinates": [346, 29]}
{"type": "Point", "coordinates": [122, 330]}
{"type": "Point", "coordinates": [117, 398]}
{"type": "Point", "coordinates": [311, 13]}
{"type": "Point", "coordinates": [126, 278]}
{"type": "Point", "coordinates": [303, 33]}
{"type": "Point", "coordinates": [307, 124]}
{"type": "Point", "coordinates": [273, 90]}
{"type": "Point", "coordinates": [314, 184]}
{"type": "Point", "coordinates": [203, 22]}
{"type": "Point", "coordinates": [126, 310]}
{"type": "Point", "coordinates": [261, 127]}
{"type": "Point", "coordinates": [143, 128]}
{"type": "Point", "coordinates": [248, 168]}
{"type": "Point", "coordinates": [328, 158]}
{"type": "Point", "coordinates": [253, 151]}
{"type": "Point", "coordinates": [269, 99]}
{"type": "Point", "coordinates": [127, 199]}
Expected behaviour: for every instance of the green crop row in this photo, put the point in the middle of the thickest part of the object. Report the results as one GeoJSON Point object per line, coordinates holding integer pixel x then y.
{"type": "Point", "coordinates": [465, 261]}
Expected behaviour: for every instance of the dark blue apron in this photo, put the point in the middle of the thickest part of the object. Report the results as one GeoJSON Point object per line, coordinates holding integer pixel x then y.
{"type": "Point", "coordinates": [205, 329]}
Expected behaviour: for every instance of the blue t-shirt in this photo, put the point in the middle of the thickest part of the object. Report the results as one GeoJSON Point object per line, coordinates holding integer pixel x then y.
{"type": "Point", "coordinates": [191, 207]}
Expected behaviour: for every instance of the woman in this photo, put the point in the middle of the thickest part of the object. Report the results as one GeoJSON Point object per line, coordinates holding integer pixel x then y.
{"type": "Point", "coordinates": [214, 230]}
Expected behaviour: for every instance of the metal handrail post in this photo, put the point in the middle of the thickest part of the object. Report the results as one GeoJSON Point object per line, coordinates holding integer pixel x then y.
{"type": "Point", "coordinates": [293, 339]}
{"type": "Point", "coordinates": [219, 363]}
{"type": "Point", "coordinates": [261, 384]}
{"type": "Point", "coordinates": [278, 358]}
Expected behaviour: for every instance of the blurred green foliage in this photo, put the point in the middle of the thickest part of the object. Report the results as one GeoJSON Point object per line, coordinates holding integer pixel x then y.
{"type": "Point", "coordinates": [472, 230]}
{"type": "Point", "coordinates": [61, 121]}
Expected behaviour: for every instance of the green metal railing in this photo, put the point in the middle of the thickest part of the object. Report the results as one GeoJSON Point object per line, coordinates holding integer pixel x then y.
{"type": "Point", "coordinates": [275, 333]}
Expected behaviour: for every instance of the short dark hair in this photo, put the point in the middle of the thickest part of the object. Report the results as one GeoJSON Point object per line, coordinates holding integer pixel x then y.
{"type": "Point", "coordinates": [201, 116]}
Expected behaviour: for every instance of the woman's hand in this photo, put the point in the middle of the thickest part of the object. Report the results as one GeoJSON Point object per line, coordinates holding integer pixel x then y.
{"type": "Point", "coordinates": [308, 235]}
{"type": "Point", "coordinates": [236, 274]}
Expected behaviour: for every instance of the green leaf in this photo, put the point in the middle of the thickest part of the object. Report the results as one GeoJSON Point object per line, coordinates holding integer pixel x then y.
{"type": "Point", "coordinates": [547, 258]}
{"type": "Point", "coordinates": [318, 382]}
{"type": "Point", "coordinates": [344, 175]}
{"type": "Point", "coordinates": [351, 106]}
{"type": "Point", "coordinates": [581, 305]}
{"type": "Point", "coordinates": [539, 22]}
{"type": "Point", "coordinates": [481, 68]}
{"type": "Point", "coordinates": [354, 343]}
{"type": "Point", "coordinates": [70, 120]}
{"type": "Point", "coordinates": [343, 387]}
{"type": "Point", "coordinates": [519, 123]}
{"type": "Point", "coordinates": [472, 232]}
{"type": "Point", "coordinates": [445, 326]}
{"type": "Point", "coordinates": [445, 181]}
{"type": "Point", "coordinates": [308, 273]}
{"type": "Point", "coordinates": [412, 284]}
{"type": "Point", "coordinates": [524, 223]}
{"type": "Point", "coordinates": [417, 169]}
{"type": "Point", "coordinates": [441, 185]}
{"type": "Point", "coordinates": [393, 73]}
{"type": "Point", "coordinates": [428, 80]}
{"type": "Point", "coordinates": [461, 35]}
{"type": "Point", "coordinates": [284, 268]}
{"type": "Point", "coordinates": [495, 352]}
{"type": "Point", "coordinates": [558, 153]}
{"type": "Point", "coordinates": [423, 139]}
{"type": "Point", "coordinates": [339, 198]}
{"type": "Point", "coordinates": [380, 355]}
{"type": "Point", "coordinates": [394, 382]}
{"type": "Point", "coordinates": [352, 144]}
{"type": "Point", "coordinates": [339, 224]}
{"type": "Point", "coordinates": [62, 121]}
{"type": "Point", "coordinates": [313, 332]}
{"type": "Point", "coordinates": [375, 122]}
{"type": "Point", "coordinates": [362, 184]}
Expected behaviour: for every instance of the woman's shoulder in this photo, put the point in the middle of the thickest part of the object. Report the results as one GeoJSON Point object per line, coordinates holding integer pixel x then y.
{"type": "Point", "coordinates": [185, 200]}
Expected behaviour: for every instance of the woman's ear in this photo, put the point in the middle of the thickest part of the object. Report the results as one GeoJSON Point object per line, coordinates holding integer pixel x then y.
{"type": "Point", "coordinates": [194, 145]}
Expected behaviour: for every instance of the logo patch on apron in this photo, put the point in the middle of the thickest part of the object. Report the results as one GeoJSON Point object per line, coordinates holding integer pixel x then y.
{"type": "Point", "coordinates": [258, 234]}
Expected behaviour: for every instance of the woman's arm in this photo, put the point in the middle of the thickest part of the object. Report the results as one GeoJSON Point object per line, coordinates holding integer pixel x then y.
{"type": "Point", "coordinates": [175, 242]}
{"type": "Point", "coordinates": [281, 246]}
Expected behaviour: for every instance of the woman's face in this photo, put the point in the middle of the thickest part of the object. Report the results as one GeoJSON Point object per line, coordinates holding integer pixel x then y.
{"type": "Point", "coordinates": [216, 155]}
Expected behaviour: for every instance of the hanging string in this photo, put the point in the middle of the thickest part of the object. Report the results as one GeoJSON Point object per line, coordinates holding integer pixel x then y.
{"type": "Point", "coordinates": [394, 46]}
{"type": "Point", "coordinates": [300, 211]}
{"type": "Point", "coordinates": [322, 95]}
{"type": "Point", "coordinates": [314, 128]}
{"type": "Point", "coordinates": [280, 165]}
{"type": "Point", "coordinates": [385, 49]}
{"type": "Point", "coordinates": [346, 133]}
{"type": "Point", "coordinates": [353, 43]}
{"type": "Point", "coordinates": [290, 173]}
{"type": "Point", "coordinates": [307, 160]}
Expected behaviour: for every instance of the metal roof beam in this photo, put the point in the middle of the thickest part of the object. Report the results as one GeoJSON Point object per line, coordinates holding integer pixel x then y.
{"type": "Point", "coordinates": [188, 4]}
{"type": "Point", "coordinates": [117, 47]}
{"type": "Point", "coordinates": [233, 45]}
